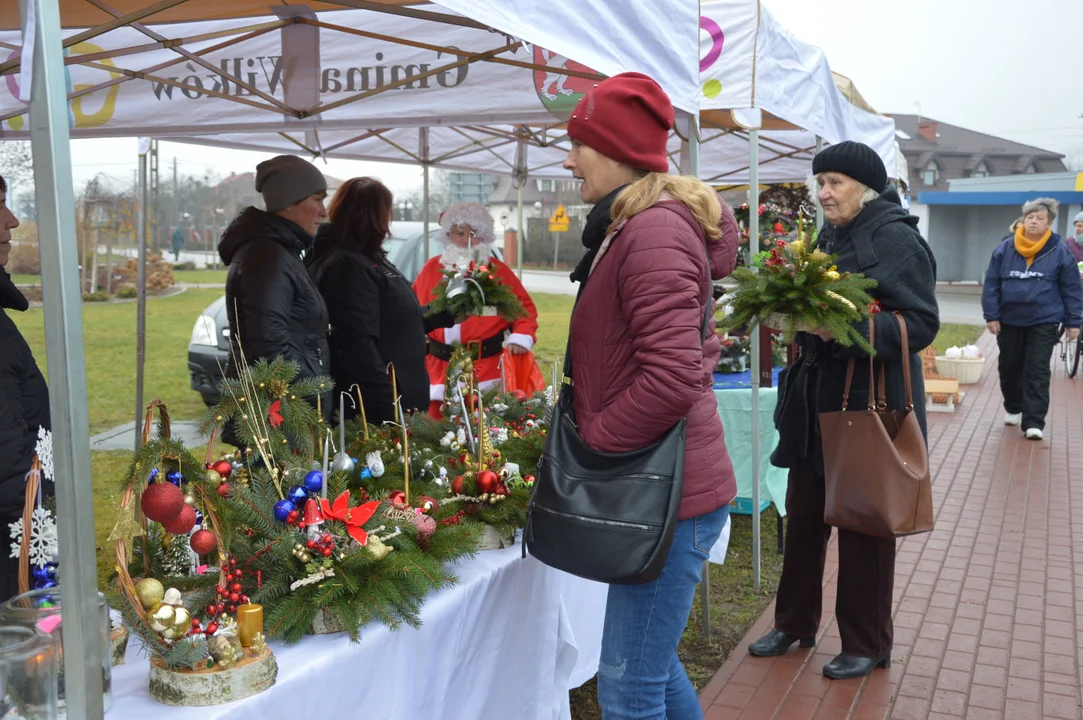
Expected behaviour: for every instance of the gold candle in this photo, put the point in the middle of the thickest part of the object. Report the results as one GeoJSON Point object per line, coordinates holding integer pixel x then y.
{"type": "Point", "coordinates": [249, 622]}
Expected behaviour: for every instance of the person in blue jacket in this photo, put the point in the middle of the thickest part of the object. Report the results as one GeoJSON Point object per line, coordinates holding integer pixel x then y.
{"type": "Point", "coordinates": [1032, 288]}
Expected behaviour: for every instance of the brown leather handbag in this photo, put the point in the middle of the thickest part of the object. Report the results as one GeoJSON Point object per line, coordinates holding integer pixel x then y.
{"type": "Point", "coordinates": [876, 463]}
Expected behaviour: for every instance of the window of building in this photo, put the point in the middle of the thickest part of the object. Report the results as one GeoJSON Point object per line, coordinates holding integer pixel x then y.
{"type": "Point", "coordinates": [547, 185]}
{"type": "Point", "coordinates": [1030, 169]}
{"type": "Point", "coordinates": [982, 170]}
{"type": "Point", "coordinates": [931, 174]}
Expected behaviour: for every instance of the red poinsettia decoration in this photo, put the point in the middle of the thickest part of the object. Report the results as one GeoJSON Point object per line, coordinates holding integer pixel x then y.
{"type": "Point", "coordinates": [353, 517]}
{"type": "Point", "coordinates": [274, 414]}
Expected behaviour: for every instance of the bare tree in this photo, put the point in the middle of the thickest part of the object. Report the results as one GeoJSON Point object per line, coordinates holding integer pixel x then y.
{"type": "Point", "coordinates": [1074, 159]}
{"type": "Point", "coordinates": [17, 168]}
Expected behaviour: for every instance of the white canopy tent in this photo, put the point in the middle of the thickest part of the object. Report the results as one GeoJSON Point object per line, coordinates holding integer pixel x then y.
{"type": "Point", "coordinates": [177, 68]}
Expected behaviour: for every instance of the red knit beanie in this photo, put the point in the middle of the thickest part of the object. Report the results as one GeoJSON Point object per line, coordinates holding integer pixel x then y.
{"type": "Point", "coordinates": [627, 118]}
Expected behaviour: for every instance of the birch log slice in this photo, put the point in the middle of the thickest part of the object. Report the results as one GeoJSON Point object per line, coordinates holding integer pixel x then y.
{"type": "Point", "coordinates": [118, 643]}
{"type": "Point", "coordinates": [250, 676]}
{"type": "Point", "coordinates": [326, 623]}
{"type": "Point", "coordinates": [492, 539]}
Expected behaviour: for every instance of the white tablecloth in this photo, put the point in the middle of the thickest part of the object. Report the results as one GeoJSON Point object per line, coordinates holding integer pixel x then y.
{"type": "Point", "coordinates": [508, 641]}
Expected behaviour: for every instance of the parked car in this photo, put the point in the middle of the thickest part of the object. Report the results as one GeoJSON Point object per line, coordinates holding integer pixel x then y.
{"type": "Point", "coordinates": [208, 349]}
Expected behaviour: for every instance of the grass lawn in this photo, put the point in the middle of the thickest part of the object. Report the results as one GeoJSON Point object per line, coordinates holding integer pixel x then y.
{"type": "Point", "coordinates": [193, 277]}
{"type": "Point", "coordinates": [26, 279]}
{"type": "Point", "coordinates": [952, 335]}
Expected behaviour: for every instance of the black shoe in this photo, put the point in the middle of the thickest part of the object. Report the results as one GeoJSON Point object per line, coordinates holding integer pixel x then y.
{"type": "Point", "coordinates": [777, 642]}
{"type": "Point", "coordinates": [846, 667]}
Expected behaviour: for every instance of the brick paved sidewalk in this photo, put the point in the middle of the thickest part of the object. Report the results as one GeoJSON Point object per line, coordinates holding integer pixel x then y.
{"type": "Point", "coordinates": [985, 606]}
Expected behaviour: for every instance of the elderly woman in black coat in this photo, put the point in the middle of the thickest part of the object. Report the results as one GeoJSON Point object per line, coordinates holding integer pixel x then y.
{"type": "Point", "coordinates": [870, 233]}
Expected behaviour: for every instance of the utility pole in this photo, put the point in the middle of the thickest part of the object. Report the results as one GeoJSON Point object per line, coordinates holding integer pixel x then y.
{"type": "Point", "coordinates": [154, 238]}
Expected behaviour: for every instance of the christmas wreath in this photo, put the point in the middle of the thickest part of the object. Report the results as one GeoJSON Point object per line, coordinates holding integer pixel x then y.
{"type": "Point", "coordinates": [795, 287]}
{"type": "Point", "coordinates": [475, 291]}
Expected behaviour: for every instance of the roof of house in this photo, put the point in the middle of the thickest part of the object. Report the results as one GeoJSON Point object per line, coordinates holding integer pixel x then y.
{"type": "Point", "coordinates": [955, 139]}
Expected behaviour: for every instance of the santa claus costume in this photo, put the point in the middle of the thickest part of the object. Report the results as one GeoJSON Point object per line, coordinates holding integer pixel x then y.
{"type": "Point", "coordinates": [467, 234]}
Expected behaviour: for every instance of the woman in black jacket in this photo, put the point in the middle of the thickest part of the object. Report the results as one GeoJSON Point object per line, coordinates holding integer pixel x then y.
{"type": "Point", "coordinates": [376, 320]}
{"type": "Point", "coordinates": [870, 233]}
{"type": "Point", "coordinates": [24, 401]}
{"type": "Point", "coordinates": [274, 309]}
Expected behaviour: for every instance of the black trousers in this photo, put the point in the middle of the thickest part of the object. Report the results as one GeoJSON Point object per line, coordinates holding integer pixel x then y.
{"type": "Point", "coordinates": [1024, 370]}
{"type": "Point", "coordinates": [865, 579]}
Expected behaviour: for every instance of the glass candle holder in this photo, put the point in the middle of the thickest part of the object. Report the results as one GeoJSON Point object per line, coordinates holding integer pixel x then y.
{"type": "Point", "coordinates": [40, 611]}
{"type": "Point", "coordinates": [28, 674]}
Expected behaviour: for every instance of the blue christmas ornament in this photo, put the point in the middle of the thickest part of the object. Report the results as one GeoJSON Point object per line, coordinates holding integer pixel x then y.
{"type": "Point", "coordinates": [175, 477]}
{"type": "Point", "coordinates": [199, 519]}
{"type": "Point", "coordinates": [41, 574]}
{"type": "Point", "coordinates": [365, 473]}
{"type": "Point", "coordinates": [297, 494]}
{"type": "Point", "coordinates": [314, 481]}
{"type": "Point", "coordinates": [283, 508]}
{"type": "Point", "coordinates": [153, 476]}
{"type": "Point", "coordinates": [48, 584]}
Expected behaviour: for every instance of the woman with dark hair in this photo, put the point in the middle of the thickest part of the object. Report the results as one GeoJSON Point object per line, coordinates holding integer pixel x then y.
{"type": "Point", "coordinates": [376, 320]}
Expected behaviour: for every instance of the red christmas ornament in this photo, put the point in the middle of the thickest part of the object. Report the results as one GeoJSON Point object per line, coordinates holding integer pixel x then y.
{"type": "Point", "coordinates": [219, 608]}
{"type": "Point", "coordinates": [487, 481]}
{"type": "Point", "coordinates": [183, 522]}
{"type": "Point", "coordinates": [234, 598]}
{"type": "Point", "coordinates": [428, 505]}
{"type": "Point", "coordinates": [397, 498]}
{"type": "Point", "coordinates": [236, 587]}
{"type": "Point", "coordinates": [162, 502]}
{"type": "Point", "coordinates": [223, 491]}
{"type": "Point", "coordinates": [203, 542]}
{"type": "Point", "coordinates": [326, 552]}
{"type": "Point", "coordinates": [311, 544]}
{"type": "Point", "coordinates": [223, 468]}
{"type": "Point", "coordinates": [519, 395]}
{"type": "Point", "coordinates": [212, 609]}
{"type": "Point", "coordinates": [457, 485]}
{"type": "Point", "coordinates": [212, 628]}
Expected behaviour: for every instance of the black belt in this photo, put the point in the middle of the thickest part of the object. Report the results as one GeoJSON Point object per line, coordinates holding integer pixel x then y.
{"type": "Point", "coordinates": [478, 348]}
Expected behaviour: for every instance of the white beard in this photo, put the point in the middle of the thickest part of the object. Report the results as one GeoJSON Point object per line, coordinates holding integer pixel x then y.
{"type": "Point", "coordinates": [455, 255]}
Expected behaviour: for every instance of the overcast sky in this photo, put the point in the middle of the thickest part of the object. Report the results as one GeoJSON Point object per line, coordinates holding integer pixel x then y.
{"type": "Point", "coordinates": [1004, 67]}
{"type": "Point", "coordinates": [1012, 68]}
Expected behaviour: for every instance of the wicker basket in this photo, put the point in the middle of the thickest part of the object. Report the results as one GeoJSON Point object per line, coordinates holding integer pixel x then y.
{"type": "Point", "coordinates": [966, 370]}
{"type": "Point", "coordinates": [253, 674]}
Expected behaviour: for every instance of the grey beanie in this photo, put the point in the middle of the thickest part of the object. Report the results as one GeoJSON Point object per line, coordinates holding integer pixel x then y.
{"type": "Point", "coordinates": [287, 179]}
{"type": "Point", "coordinates": [1078, 218]}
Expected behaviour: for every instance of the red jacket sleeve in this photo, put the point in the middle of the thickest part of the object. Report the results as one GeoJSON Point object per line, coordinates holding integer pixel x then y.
{"type": "Point", "coordinates": [526, 325]}
{"type": "Point", "coordinates": [661, 284]}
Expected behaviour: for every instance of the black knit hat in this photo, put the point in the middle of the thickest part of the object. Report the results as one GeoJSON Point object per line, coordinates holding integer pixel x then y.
{"type": "Point", "coordinates": [853, 159]}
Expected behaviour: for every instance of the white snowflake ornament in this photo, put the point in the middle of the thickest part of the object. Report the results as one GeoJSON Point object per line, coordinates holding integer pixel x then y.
{"type": "Point", "coordinates": [44, 450]}
{"type": "Point", "coordinates": [43, 538]}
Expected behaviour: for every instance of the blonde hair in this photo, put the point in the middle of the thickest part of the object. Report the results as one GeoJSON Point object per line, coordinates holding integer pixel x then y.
{"type": "Point", "coordinates": [696, 195]}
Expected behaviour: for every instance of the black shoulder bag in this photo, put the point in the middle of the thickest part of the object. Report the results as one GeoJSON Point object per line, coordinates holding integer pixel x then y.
{"type": "Point", "coordinates": [608, 517]}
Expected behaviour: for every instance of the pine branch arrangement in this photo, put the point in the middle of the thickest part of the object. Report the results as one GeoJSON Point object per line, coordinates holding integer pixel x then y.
{"type": "Point", "coordinates": [475, 291]}
{"type": "Point", "coordinates": [802, 285]}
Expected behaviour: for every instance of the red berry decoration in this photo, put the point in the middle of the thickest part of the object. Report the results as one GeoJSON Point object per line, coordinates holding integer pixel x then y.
{"type": "Point", "coordinates": [212, 628]}
{"type": "Point", "coordinates": [203, 542]}
{"type": "Point", "coordinates": [326, 552]}
{"type": "Point", "coordinates": [457, 485]}
{"type": "Point", "coordinates": [234, 598]}
{"type": "Point", "coordinates": [236, 587]}
{"type": "Point", "coordinates": [162, 502]}
{"type": "Point", "coordinates": [311, 544]}
{"type": "Point", "coordinates": [219, 608]}
{"type": "Point", "coordinates": [238, 573]}
{"type": "Point", "coordinates": [223, 491]}
{"type": "Point", "coordinates": [487, 481]}
{"type": "Point", "coordinates": [182, 523]}
{"type": "Point", "coordinates": [212, 609]}
{"type": "Point", "coordinates": [223, 468]}
{"type": "Point", "coordinates": [232, 608]}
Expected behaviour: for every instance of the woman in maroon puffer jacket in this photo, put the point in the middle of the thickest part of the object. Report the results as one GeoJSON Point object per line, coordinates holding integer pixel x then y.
{"type": "Point", "coordinates": [654, 243]}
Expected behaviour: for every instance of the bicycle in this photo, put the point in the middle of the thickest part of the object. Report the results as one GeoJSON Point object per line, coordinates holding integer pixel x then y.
{"type": "Point", "coordinates": [1070, 352]}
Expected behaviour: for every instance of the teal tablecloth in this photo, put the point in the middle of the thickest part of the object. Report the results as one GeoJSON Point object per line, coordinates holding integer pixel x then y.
{"type": "Point", "coordinates": [735, 409]}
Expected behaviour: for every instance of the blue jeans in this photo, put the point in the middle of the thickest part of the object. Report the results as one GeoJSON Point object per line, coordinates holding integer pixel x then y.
{"type": "Point", "coordinates": [640, 676]}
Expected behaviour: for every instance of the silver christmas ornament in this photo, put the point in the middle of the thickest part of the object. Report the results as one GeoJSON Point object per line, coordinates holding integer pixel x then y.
{"type": "Point", "coordinates": [342, 463]}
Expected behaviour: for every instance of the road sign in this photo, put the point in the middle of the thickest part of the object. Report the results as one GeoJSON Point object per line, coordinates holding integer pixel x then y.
{"type": "Point", "coordinates": [559, 221]}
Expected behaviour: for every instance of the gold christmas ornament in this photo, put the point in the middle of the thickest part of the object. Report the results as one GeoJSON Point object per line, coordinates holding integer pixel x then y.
{"type": "Point", "coordinates": [278, 389]}
{"type": "Point", "coordinates": [161, 617]}
{"type": "Point", "coordinates": [189, 499]}
{"type": "Point", "coordinates": [240, 399]}
{"type": "Point", "coordinates": [150, 592]}
{"type": "Point", "coordinates": [214, 478]}
{"type": "Point", "coordinates": [259, 645]}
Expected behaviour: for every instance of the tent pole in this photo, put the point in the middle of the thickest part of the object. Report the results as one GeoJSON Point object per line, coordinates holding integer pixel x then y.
{"type": "Point", "coordinates": [816, 196]}
{"type": "Point", "coordinates": [62, 301]}
{"type": "Point", "coordinates": [425, 193]}
{"type": "Point", "coordinates": [754, 237]}
{"type": "Point", "coordinates": [690, 166]}
{"type": "Point", "coordinates": [141, 288]}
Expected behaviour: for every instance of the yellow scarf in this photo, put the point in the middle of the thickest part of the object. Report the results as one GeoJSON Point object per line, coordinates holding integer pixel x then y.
{"type": "Point", "coordinates": [1029, 249]}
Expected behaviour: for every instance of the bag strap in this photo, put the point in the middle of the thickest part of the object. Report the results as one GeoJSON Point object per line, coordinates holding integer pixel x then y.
{"type": "Point", "coordinates": [881, 396]}
{"type": "Point", "coordinates": [904, 340]}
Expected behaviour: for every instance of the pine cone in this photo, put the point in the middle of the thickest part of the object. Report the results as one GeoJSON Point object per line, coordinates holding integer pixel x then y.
{"type": "Point", "coordinates": [240, 475]}
{"type": "Point", "coordinates": [278, 389]}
